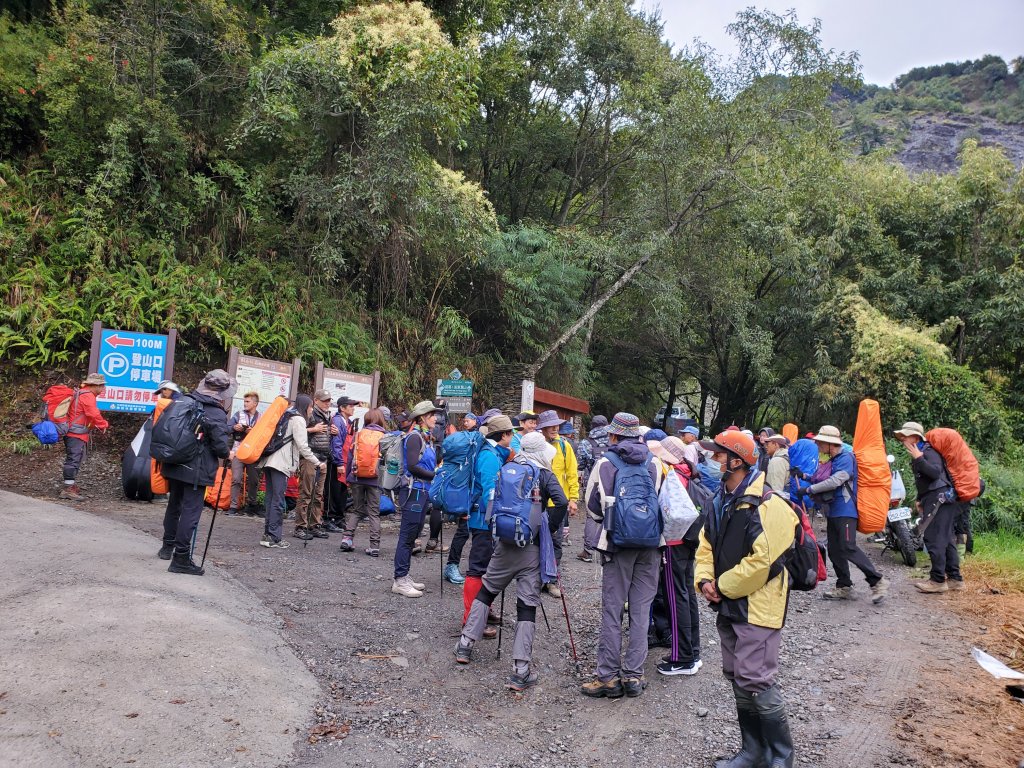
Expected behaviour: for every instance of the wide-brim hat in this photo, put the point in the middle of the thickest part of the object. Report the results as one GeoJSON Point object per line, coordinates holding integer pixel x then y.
{"type": "Point", "coordinates": [910, 429]}
{"type": "Point", "coordinates": [669, 449]}
{"type": "Point", "coordinates": [95, 380]}
{"type": "Point", "coordinates": [567, 428]}
{"type": "Point", "coordinates": [781, 439]}
{"type": "Point", "coordinates": [167, 384]}
{"type": "Point", "coordinates": [624, 425]}
{"type": "Point", "coordinates": [829, 434]}
{"type": "Point", "coordinates": [420, 409]}
{"type": "Point", "coordinates": [497, 424]}
{"type": "Point", "coordinates": [691, 430]}
{"type": "Point", "coordinates": [547, 419]}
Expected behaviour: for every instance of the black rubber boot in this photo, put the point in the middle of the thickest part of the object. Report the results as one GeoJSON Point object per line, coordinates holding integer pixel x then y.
{"type": "Point", "coordinates": [775, 727]}
{"type": "Point", "coordinates": [752, 751]}
{"type": "Point", "coordinates": [182, 563]}
{"type": "Point", "coordinates": [166, 550]}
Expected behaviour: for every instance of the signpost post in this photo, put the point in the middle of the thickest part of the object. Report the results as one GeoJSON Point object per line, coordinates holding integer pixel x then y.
{"type": "Point", "coordinates": [133, 364]}
{"type": "Point", "coordinates": [457, 392]}
{"type": "Point", "coordinates": [269, 378]}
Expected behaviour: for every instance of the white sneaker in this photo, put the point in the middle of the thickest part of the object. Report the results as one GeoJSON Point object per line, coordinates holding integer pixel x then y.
{"type": "Point", "coordinates": [405, 588]}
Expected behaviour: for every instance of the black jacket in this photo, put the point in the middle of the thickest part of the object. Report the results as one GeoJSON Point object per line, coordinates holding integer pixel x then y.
{"type": "Point", "coordinates": [216, 445]}
{"type": "Point", "coordinates": [930, 474]}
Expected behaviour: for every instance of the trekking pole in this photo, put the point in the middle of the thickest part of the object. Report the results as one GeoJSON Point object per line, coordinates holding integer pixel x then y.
{"type": "Point", "coordinates": [501, 623]}
{"type": "Point", "coordinates": [216, 503]}
{"type": "Point", "coordinates": [565, 610]}
{"type": "Point", "coordinates": [544, 613]}
{"type": "Point", "coordinates": [440, 548]}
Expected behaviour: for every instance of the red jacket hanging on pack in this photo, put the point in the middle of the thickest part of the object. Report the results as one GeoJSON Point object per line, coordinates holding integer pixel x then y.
{"type": "Point", "coordinates": [874, 480]}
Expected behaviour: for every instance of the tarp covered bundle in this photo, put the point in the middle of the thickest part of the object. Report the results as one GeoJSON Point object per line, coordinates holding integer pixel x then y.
{"type": "Point", "coordinates": [874, 478]}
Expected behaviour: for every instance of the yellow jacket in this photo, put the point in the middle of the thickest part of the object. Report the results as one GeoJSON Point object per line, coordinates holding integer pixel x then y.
{"type": "Point", "coordinates": [566, 469]}
{"type": "Point", "coordinates": [741, 552]}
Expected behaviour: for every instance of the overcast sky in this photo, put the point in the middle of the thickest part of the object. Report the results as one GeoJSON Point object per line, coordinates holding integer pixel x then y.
{"type": "Point", "coordinates": [892, 36]}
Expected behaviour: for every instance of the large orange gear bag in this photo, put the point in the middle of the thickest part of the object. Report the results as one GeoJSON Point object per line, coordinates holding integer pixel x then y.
{"type": "Point", "coordinates": [256, 439]}
{"type": "Point", "coordinates": [874, 479]}
{"type": "Point", "coordinates": [157, 482]}
{"type": "Point", "coordinates": [960, 462]}
{"type": "Point", "coordinates": [218, 495]}
{"type": "Point", "coordinates": [791, 432]}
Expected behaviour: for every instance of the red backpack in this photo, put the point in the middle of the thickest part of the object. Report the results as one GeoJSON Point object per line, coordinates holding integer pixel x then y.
{"type": "Point", "coordinates": [61, 406]}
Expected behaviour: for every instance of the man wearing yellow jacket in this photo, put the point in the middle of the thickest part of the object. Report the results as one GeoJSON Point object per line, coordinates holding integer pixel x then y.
{"type": "Point", "coordinates": [566, 469]}
{"type": "Point", "coordinates": [740, 572]}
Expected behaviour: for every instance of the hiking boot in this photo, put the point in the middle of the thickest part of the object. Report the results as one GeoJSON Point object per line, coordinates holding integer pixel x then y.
{"type": "Point", "coordinates": [417, 584]}
{"type": "Point", "coordinates": [234, 512]}
{"type": "Point", "coordinates": [838, 593]}
{"type": "Point", "coordinates": [552, 589]}
{"type": "Point", "coordinates": [489, 633]}
{"type": "Point", "coordinates": [955, 585]}
{"type": "Point", "coordinates": [182, 563]}
{"type": "Point", "coordinates": [404, 587]}
{"type": "Point", "coordinates": [586, 557]}
{"type": "Point", "coordinates": [879, 590]}
{"type": "Point", "coordinates": [270, 541]}
{"type": "Point", "coordinates": [669, 667]}
{"type": "Point", "coordinates": [255, 510]}
{"type": "Point", "coordinates": [72, 492]}
{"type": "Point", "coordinates": [520, 683]}
{"type": "Point", "coordinates": [331, 527]}
{"type": "Point", "coordinates": [434, 547]}
{"type": "Point", "coordinates": [653, 641]}
{"type": "Point", "coordinates": [599, 689]}
{"type": "Point", "coordinates": [346, 544]}
{"type": "Point", "coordinates": [417, 547]}
{"type": "Point", "coordinates": [493, 618]}
{"type": "Point", "coordinates": [453, 575]}
{"type": "Point", "coordinates": [302, 533]}
{"type": "Point", "coordinates": [634, 686]}
{"type": "Point", "coordinates": [463, 653]}
{"type": "Point", "coordinates": [319, 533]}
{"type": "Point", "coordinates": [372, 551]}
{"type": "Point", "coordinates": [165, 552]}
{"type": "Point", "coordinates": [930, 587]}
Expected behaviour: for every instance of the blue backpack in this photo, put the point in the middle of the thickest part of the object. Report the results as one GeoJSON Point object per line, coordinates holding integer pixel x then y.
{"type": "Point", "coordinates": [515, 514]}
{"type": "Point", "coordinates": [453, 489]}
{"type": "Point", "coordinates": [634, 521]}
{"type": "Point", "coordinates": [803, 458]}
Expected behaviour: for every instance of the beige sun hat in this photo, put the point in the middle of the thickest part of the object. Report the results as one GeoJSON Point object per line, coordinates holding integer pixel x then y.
{"type": "Point", "coordinates": [910, 429]}
{"type": "Point", "coordinates": [829, 434]}
{"type": "Point", "coordinates": [423, 408]}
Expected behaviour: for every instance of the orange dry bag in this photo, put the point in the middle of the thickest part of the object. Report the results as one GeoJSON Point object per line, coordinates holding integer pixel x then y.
{"type": "Point", "coordinates": [157, 482]}
{"type": "Point", "coordinates": [874, 478]}
{"type": "Point", "coordinates": [791, 432]}
{"type": "Point", "coordinates": [218, 495]}
{"type": "Point", "coordinates": [960, 462]}
{"type": "Point", "coordinates": [367, 452]}
{"type": "Point", "coordinates": [258, 437]}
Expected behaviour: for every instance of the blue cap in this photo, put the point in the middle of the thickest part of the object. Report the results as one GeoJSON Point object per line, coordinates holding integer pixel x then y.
{"type": "Point", "coordinates": [654, 434]}
{"type": "Point", "coordinates": [691, 430]}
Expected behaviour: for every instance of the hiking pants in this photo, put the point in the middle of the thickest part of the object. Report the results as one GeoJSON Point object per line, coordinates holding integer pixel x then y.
{"type": "Point", "coordinates": [335, 494]}
{"type": "Point", "coordinates": [675, 610]}
{"type": "Point", "coordinates": [458, 542]}
{"type": "Point", "coordinates": [436, 522]}
{"type": "Point", "coordinates": [250, 474]}
{"type": "Point", "coordinates": [843, 550]}
{"type": "Point", "coordinates": [309, 510]}
{"type": "Point", "coordinates": [507, 563]}
{"type": "Point", "coordinates": [414, 505]}
{"type": "Point", "coordinates": [365, 504]}
{"type": "Point", "coordinates": [627, 575]}
{"type": "Point", "coordinates": [591, 534]}
{"type": "Point", "coordinates": [962, 527]}
{"type": "Point", "coordinates": [184, 508]}
{"type": "Point", "coordinates": [556, 519]}
{"type": "Point", "coordinates": [480, 551]}
{"type": "Point", "coordinates": [273, 502]}
{"type": "Point", "coordinates": [940, 541]}
{"type": "Point", "coordinates": [74, 455]}
{"type": "Point", "coordinates": [750, 654]}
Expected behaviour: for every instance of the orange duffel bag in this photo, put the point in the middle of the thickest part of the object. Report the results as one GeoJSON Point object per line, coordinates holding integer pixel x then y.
{"type": "Point", "coordinates": [258, 437]}
{"type": "Point", "coordinates": [874, 478]}
{"type": "Point", "coordinates": [157, 482]}
{"type": "Point", "coordinates": [218, 495]}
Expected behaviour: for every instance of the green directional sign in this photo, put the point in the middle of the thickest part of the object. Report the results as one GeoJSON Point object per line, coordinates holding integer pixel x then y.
{"type": "Point", "coordinates": [454, 388]}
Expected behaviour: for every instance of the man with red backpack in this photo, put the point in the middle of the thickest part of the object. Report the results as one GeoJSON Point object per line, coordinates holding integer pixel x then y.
{"type": "Point", "coordinates": [82, 417]}
{"type": "Point", "coordinates": [740, 574]}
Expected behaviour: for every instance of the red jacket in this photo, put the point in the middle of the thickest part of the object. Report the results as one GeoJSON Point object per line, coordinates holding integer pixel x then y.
{"type": "Point", "coordinates": [86, 414]}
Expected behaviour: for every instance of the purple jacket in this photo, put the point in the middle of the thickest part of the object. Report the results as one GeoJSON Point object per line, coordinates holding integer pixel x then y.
{"type": "Point", "coordinates": [338, 442]}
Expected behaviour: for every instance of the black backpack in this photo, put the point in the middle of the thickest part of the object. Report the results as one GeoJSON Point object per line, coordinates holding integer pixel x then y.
{"type": "Point", "coordinates": [805, 560]}
{"type": "Point", "coordinates": [703, 499]}
{"type": "Point", "coordinates": [280, 438]}
{"type": "Point", "coordinates": [177, 437]}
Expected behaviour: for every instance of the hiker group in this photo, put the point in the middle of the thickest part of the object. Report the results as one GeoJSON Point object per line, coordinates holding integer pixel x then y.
{"type": "Point", "coordinates": [674, 521]}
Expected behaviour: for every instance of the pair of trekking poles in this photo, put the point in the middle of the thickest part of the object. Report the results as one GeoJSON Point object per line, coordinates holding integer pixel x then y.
{"type": "Point", "coordinates": [544, 613]}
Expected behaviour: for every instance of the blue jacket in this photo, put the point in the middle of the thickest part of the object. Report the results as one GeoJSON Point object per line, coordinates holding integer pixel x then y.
{"type": "Point", "coordinates": [488, 464]}
{"type": "Point", "coordinates": [842, 483]}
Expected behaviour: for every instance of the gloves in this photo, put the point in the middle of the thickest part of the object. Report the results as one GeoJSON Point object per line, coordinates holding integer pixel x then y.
{"type": "Point", "coordinates": [801, 491]}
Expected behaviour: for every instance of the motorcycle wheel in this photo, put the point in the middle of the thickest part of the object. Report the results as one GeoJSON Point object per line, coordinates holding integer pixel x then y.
{"type": "Point", "coordinates": [905, 542]}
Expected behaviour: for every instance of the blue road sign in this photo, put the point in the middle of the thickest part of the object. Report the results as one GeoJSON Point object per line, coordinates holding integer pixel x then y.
{"type": "Point", "coordinates": [133, 364]}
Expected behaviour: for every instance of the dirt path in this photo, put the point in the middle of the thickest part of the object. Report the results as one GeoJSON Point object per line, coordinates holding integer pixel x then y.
{"type": "Point", "coordinates": [866, 685]}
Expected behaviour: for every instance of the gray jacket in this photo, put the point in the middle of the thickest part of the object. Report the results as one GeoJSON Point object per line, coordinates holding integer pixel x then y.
{"type": "Point", "coordinates": [777, 473]}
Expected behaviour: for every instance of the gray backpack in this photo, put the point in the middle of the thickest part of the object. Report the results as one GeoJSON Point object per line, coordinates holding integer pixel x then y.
{"type": "Point", "coordinates": [389, 470]}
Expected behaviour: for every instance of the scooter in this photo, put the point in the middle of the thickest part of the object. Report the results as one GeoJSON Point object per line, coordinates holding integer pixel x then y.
{"type": "Point", "coordinates": [901, 534]}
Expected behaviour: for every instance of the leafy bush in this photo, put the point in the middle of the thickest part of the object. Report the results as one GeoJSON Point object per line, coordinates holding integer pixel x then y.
{"type": "Point", "coordinates": [1002, 506]}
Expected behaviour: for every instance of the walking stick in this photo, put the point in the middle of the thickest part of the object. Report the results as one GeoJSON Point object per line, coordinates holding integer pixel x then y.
{"type": "Point", "coordinates": [501, 623]}
{"type": "Point", "coordinates": [440, 548]}
{"type": "Point", "coordinates": [223, 477]}
{"type": "Point", "coordinates": [565, 610]}
{"type": "Point", "coordinates": [544, 613]}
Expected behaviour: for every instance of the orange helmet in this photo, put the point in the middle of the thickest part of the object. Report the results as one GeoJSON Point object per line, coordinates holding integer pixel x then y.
{"type": "Point", "coordinates": [734, 442]}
